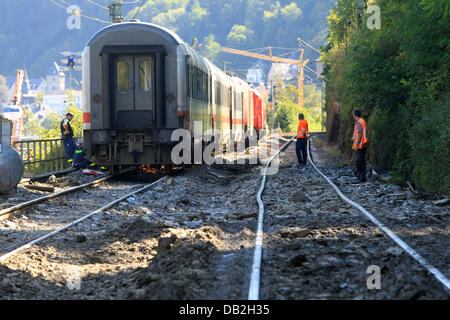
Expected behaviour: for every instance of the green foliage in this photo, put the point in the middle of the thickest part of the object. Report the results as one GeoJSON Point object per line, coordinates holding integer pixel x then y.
{"type": "Point", "coordinates": [287, 110]}
{"type": "Point", "coordinates": [243, 24]}
{"type": "Point", "coordinates": [39, 97]}
{"type": "Point", "coordinates": [239, 34]}
{"type": "Point", "coordinates": [50, 120]}
{"type": "Point", "coordinates": [32, 127]}
{"type": "Point", "coordinates": [54, 130]}
{"type": "Point", "coordinates": [398, 76]}
{"type": "Point", "coordinates": [4, 95]}
{"type": "Point", "coordinates": [211, 48]}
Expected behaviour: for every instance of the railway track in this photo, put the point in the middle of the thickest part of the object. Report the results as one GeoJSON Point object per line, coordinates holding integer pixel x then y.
{"type": "Point", "coordinates": [194, 238]}
{"type": "Point", "coordinates": [108, 205]}
{"type": "Point", "coordinates": [304, 261]}
{"type": "Point", "coordinates": [28, 220]}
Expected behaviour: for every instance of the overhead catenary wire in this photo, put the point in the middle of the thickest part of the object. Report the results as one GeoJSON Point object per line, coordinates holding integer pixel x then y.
{"type": "Point", "coordinates": [98, 5]}
{"type": "Point", "coordinates": [140, 7]}
{"type": "Point", "coordinates": [82, 15]}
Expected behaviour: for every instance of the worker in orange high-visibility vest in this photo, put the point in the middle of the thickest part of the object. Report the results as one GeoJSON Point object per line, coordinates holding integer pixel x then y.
{"type": "Point", "coordinates": [302, 136]}
{"type": "Point", "coordinates": [360, 144]}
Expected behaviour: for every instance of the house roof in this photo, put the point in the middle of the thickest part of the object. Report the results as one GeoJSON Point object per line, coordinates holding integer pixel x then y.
{"type": "Point", "coordinates": [54, 70]}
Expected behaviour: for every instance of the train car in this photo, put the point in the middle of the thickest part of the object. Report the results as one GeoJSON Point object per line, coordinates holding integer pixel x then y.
{"type": "Point", "coordinates": [140, 83]}
{"type": "Point", "coordinates": [259, 112]}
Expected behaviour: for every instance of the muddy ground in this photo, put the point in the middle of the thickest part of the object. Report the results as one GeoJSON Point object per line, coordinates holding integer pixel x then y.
{"type": "Point", "coordinates": [192, 236]}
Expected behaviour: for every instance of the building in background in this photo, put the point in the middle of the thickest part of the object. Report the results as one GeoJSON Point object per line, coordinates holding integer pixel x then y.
{"type": "Point", "coordinates": [56, 80]}
{"type": "Point", "coordinates": [58, 101]}
{"type": "Point", "coordinates": [255, 76]}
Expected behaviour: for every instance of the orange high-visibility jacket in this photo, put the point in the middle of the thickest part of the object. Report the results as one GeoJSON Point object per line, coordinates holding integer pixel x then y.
{"type": "Point", "coordinates": [302, 129]}
{"type": "Point", "coordinates": [363, 140]}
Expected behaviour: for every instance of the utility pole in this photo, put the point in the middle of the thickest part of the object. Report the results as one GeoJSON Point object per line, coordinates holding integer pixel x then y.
{"type": "Point", "coordinates": [116, 11]}
{"type": "Point", "coordinates": [360, 5]}
{"type": "Point", "coordinates": [225, 66]}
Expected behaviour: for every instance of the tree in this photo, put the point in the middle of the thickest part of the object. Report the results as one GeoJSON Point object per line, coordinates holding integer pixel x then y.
{"type": "Point", "coordinates": [398, 76]}
{"type": "Point", "coordinates": [211, 48]}
{"type": "Point", "coordinates": [33, 127]}
{"type": "Point", "coordinates": [39, 97]}
{"type": "Point", "coordinates": [77, 122]}
{"type": "Point", "coordinates": [239, 34]}
{"type": "Point", "coordinates": [286, 113]}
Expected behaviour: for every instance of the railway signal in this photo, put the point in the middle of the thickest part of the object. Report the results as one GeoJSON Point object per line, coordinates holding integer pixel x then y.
{"type": "Point", "coordinates": [70, 63]}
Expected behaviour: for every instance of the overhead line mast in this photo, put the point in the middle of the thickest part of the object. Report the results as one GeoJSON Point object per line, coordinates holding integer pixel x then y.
{"type": "Point", "coordinates": [300, 64]}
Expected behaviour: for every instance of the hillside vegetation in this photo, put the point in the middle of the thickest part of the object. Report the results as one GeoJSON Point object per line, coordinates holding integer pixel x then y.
{"type": "Point", "coordinates": [30, 39]}
{"type": "Point", "coordinates": [399, 77]}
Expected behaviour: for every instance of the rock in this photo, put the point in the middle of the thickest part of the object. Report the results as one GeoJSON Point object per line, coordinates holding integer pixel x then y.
{"type": "Point", "coordinates": [193, 224]}
{"type": "Point", "coordinates": [165, 243]}
{"type": "Point", "coordinates": [362, 252]}
{"type": "Point", "coordinates": [183, 200]}
{"type": "Point", "coordinates": [144, 210]}
{"type": "Point", "coordinates": [52, 179]}
{"type": "Point", "coordinates": [411, 295]}
{"type": "Point", "coordinates": [399, 196]}
{"type": "Point", "coordinates": [170, 181]}
{"type": "Point", "coordinates": [80, 238]}
{"type": "Point", "coordinates": [298, 260]}
{"type": "Point", "coordinates": [171, 224]}
{"type": "Point", "coordinates": [395, 251]}
{"type": "Point", "coordinates": [442, 202]}
{"type": "Point", "coordinates": [136, 293]}
{"type": "Point", "coordinates": [299, 197]}
{"type": "Point", "coordinates": [293, 232]}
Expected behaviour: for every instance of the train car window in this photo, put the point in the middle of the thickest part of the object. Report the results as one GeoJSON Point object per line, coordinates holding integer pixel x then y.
{"type": "Point", "coordinates": [122, 76]}
{"type": "Point", "coordinates": [188, 77]}
{"type": "Point", "coordinates": [195, 84]}
{"type": "Point", "coordinates": [203, 86]}
{"type": "Point", "coordinates": [145, 75]}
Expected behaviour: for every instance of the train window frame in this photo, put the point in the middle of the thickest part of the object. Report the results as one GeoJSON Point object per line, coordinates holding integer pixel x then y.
{"type": "Point", "coordinates": [119, 81]}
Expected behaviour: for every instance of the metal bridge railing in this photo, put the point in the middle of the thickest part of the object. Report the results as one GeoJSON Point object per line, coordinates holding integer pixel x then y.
{"type": "Point", "coordinates": [41, 156]}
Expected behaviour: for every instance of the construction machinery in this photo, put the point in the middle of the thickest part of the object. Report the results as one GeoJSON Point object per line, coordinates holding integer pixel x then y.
{"type": "Point", "coordinates": [300, 64]}
{"type": "Point", "coordinates": [15, 112]}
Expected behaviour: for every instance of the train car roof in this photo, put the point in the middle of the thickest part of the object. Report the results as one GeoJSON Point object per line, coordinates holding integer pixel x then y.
{"type": "Point", "coordinates": [218, 73]}
{"type": "Point", "coordinates": [168, 34]}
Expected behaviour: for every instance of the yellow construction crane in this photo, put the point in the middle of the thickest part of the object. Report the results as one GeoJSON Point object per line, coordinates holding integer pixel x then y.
{"type": "Point", "coordinates": [300, 64]}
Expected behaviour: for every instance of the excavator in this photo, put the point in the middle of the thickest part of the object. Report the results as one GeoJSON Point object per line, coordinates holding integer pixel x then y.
{"type": "Point", "coordinates": [15, 112]}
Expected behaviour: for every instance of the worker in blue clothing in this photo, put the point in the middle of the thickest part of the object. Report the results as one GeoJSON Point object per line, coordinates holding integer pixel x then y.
{"type": "Point", "coordinates": [67, 136]}
{"type": "Point", "coordinates": [79, 160]}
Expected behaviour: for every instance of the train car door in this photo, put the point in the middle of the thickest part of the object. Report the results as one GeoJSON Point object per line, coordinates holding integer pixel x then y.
{"type": "Point", "coordinates": [134, 92]}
